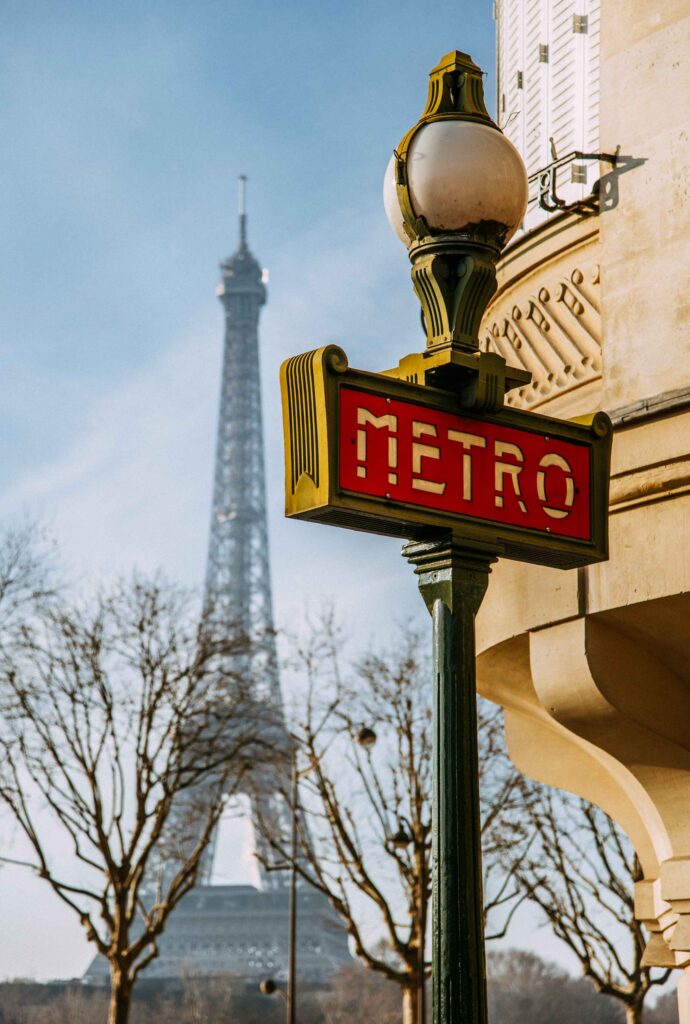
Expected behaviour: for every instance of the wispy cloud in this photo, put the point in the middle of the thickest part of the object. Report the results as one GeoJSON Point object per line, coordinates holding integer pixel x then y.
{"type": "Point", "coordinates": [133, 486]}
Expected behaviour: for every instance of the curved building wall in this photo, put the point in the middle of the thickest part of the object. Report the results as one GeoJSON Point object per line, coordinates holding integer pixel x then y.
{"type": "Point", "coordinates": [593, 665]}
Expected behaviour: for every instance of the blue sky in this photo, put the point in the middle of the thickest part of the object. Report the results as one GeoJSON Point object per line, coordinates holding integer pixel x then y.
{"type": "Point", "coordinates": [124, 127]}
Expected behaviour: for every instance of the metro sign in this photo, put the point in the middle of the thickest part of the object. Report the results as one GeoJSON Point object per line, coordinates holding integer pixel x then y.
{"type": "Point", "coordinates": [405, 451]}
{"type": "Point", "coordinates": [375, 453]}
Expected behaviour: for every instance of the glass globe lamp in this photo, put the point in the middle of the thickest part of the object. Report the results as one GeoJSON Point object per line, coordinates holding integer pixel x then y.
{"type": "Point", "coordinates": [455, 191]}
{"type": "Point", "coordinates": [460, 175]}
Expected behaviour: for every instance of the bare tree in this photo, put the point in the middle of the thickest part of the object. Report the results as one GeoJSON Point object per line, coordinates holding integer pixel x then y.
{"type": "Point", "coordinates": [365, 821]}
{"type": "Point", "coordinates": [206, 1001]}
{"type": "Point", "coordinates": [123, 728]}
{"type": "Point", "coordinates": [27, 570]}
{"type": "Point", "coordinates": [579, 871]}
{"type": "Point", "coordinates": [218, 999]}
{"type": "Point", "coordinates": [523, 987]}
{"type": "Point", "coordinates": [34, 1003]}
{"type": "Point", "coordinates": [355, 991]}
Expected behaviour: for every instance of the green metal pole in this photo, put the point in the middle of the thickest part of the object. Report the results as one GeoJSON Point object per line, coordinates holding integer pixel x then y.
{"type": "Point", "coordinates": [421, 963]}
{"type": "Point", "coordinates": [291, 1000]}
{"type": "Point", "coordinates": [453, 580]}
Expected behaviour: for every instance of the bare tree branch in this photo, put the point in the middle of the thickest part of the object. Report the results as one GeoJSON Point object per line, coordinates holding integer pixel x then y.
{"type": "Point", "coordinates": [124, 722]}
{"type": "Point", "coordinates": [365, 812]}
{"type": "Point", "coordinates": [579, 871]}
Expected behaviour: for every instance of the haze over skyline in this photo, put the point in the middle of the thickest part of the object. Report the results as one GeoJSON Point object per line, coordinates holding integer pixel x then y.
{"type": "Point", "coordinates": [124, 131]}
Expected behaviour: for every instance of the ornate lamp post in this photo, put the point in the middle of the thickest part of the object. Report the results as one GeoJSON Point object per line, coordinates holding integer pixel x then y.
{"type": "Point", "coordinates": [429, 451]}
{"type": "Point", "coordinates": [455, 191]}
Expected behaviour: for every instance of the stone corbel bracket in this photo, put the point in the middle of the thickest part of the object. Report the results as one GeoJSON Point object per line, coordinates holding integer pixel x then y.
{"type": "Point", "coordinates": [590, 710]}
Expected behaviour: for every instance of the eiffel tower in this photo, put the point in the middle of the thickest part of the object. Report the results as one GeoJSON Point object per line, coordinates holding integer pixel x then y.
{"type": "Point", "coordinates": [240, 929]}
{"type": "Point", "coordinates": [237, 596]}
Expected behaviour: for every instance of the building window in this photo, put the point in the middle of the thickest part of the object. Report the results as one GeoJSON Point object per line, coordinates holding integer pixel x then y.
{"type": "Point", "coordinates": [503, 103]}
{"type": "Point", "coordinates": [580, 23]}
{"type": "Point", "coordinates": [519, 79]}
{"type": "Point", "coordinates": [579, 174]}
{"type": "Point", "coordinates": [543, 53]}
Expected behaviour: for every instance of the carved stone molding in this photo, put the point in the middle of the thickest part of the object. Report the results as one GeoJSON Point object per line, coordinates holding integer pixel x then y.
{"type": "Point", "coordinates": [553, 330]}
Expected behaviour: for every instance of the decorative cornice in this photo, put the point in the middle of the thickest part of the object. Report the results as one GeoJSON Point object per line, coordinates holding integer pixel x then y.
{"type": "Point", "coordinates": [553, 331]}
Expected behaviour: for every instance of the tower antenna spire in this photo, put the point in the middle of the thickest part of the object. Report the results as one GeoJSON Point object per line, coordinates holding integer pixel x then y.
{"type": "Point", "coordinates": [242, 208]}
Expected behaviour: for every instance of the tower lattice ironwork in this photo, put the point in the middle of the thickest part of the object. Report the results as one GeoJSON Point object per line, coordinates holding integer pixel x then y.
{"type": "Point", "coordinates": [237, 928]}
{"type": "Point", "coordinates": [238, 580]}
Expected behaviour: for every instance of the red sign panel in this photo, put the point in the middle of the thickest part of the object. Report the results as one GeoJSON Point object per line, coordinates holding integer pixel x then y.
{"type": "Point", "coordinates": [411, 453]}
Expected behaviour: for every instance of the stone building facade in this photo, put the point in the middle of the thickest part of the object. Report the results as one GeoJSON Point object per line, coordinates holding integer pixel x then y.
{"type": "Point", "coordinates": [592, 666]}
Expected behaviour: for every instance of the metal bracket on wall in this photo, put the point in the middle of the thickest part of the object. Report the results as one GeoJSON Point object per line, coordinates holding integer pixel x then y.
{"type": "Point", "coordinates": [547, 183]}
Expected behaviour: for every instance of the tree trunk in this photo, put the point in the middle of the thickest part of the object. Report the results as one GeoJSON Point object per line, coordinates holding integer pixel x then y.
{"type": "Point", "coordinates": [409, 1005]}
{"type": "Point", "coordinates": [633, 1014]}
{"type": "Point", "coordinates": [120, 996]}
